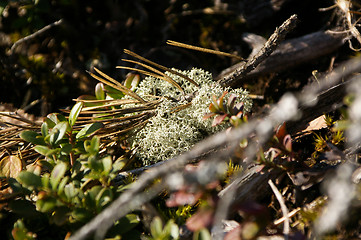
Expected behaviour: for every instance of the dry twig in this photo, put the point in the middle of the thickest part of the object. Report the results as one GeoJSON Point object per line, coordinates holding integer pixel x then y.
{"type": "Point", "coordinates": [286, 225]}
{"type": "Point", "coordinates": [34, 35]}
{"type": "Point", "coordinates": [267, 49]}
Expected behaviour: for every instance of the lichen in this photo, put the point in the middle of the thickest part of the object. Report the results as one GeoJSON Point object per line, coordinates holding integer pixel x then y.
{"type": "Point", "coordinates": [171, 133]}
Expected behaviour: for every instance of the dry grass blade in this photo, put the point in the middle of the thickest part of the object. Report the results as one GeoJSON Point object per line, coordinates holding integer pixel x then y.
{"type": "Point", "coordinates": [160, 66]}
{"type": "Point", "coordinates": [19, 118]}
{"type": "Point", "coordinates": [181, 107]}
{"type": "Point", "coordinates": [164, 76]}
{"type": "Point", "coordinates": [117, 112]}
{"type": "Point", "coordinates": [105, 101]}
{"type": "Point", "coordinates": [206, 50]}
{"type": "Point", "coordinates": [139, 123]}
{"type": "Point", "coordinates": [113, 83]}
{"type": "Point", "coordinates": [112, 103]}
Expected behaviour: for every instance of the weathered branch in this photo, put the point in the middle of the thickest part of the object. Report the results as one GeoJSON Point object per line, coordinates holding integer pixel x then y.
{"type": "Point", "coordinates": [289, 54]}
{"type": "Point", "coordinates": [269, 47]}
{"type": "Point", "coordinates": [34, 35]}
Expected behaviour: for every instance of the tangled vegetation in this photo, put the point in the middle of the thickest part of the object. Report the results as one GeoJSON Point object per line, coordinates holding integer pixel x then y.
{"type": "Point", "coordinates": [266, 148]}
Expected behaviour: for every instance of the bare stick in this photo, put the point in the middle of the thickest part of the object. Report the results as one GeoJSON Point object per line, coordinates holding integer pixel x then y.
{"type": "Point", "coordinates": [267, 49]}
{"type": "Point", "coordinates": [286, 224]}
{"type": "Point", "coordinates": [291, 214]}
{"type": "Point", "coordinates": [289, 53]}
{"type": "Point", "coordinates": [35, 34]}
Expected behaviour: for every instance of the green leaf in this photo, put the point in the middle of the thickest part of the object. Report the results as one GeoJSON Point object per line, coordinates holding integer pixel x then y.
{"type": "Point", "coordinates": [132, 81]}
{"type": "Point", "coordinates": [99, 91]}
{"type": "Point", "coordinates": [88, 97]}
{"type": "Point", "coordinates": [20, 232]}
{"type": "Point", "coordinates": [44, 150]}
{"type": "Point", "coordinates": [107, 164]}
{"type": "Point", "coordinates": [10, 166]}
{"type": "Point", "coordinates": [57, 174]}
{"type": "Point", "coordinates": [104, 197]}
{"type": "Point", "coordinates": [66, 148]}
{"type": "Point", "coordinates": [114, 93]}
{"type": "Point", "coordinates": [58, 132]}
{"type": "Point", "coordinates": [127, 223]}
{"type": "Point", "coordinates": [90, 197]}
{"type": "Point", "coordinates": [45, 180]}
{"type": "Point", "coordinates": [92, 146]}
{"type": "Point", "coordinates": [70, 191]}
{"type": "Point", "coordinates": [44, 129]}
{"type": "Point", "coordinates": [54, 118]}
{"type": "Point", "coordinates": [74, 113]}
{"type": "Point", "coordinates": [32, 137]}
{"type": "Point", "coordinates": [89, 129]}
{"type": "Point", "coordinates": [62, 184]}
{"type": "Point", "coordinates": [81, 215]}
{"type": "Point", "coordinates": [156, 227]}
{"type": "Point", "coordinates": [46, 204]}
{"type": "Point", "coordinates": [172, 229]}
{"type": "Point", "coordinates": [29, 179]}
{"type": "Point", "coordinates": [202, 234]}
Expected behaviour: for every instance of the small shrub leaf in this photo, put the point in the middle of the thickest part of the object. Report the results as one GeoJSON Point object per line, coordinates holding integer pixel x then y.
{"type": "Point", "coordinates": [54, 118]}
{"type": "Point", "coordinates": [44, 129]}
{"type": "Point", "coordinates": [99, 91]}
{"type": "Point", "coordinates": [89, 129]}
{"type": "Point", "coordinates": [74, 113]}
{"type": "Point", "coordinates": [46, 204]}
{"type": "Point", "coordinates": [29, 179]}
{"type": "Point", "coordinates": [58, 132]}
{"type": "Point", "coordinates": [44, 150]}
{"type": "Point", "coordinates": [32, 137]}
{"type": "Point", "coordinates": [57, 174]}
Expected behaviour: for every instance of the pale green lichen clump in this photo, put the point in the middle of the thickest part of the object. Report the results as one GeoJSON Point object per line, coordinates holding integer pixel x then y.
{"type": "Point", "coordinates": [169, 134]}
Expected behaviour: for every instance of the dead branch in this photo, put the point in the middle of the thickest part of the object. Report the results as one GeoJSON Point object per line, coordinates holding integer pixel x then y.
{"type": "Point", "coordinates": [268, 48]}
{"type": "Point", "coordinates": [289, 54]}
{"type": "Point", "coordinates": [34, 35]}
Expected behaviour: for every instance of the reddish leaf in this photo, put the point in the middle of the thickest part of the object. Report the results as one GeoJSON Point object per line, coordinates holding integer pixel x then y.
{"type": "Point", "coordinates": [287, 142]}
{"type": "Point", "coordinates": [182, 198]}
{"type": "Point", "coordinates": [214, 102]}
{"type": "Point", "coordinates": [220, 101]}
{"type": "Point", "coordinates": [281, 132]}
{"type": "Point", "coordinates": [217, 120]}
{"type": "Point", "coordinates": [213, 108]}
{"type": "Point", "coordinates": [208, 115]}
{"type": "Point", "coordinates": [231, 100]}
{"type": "Point", "coordinates": [239, 114]}
{"type": "Point", "coordinates": [201, 219]}
{"type": "Point", "coordinates": [234, 234]}
{"type": "Point", "coordinates": [274, 152]}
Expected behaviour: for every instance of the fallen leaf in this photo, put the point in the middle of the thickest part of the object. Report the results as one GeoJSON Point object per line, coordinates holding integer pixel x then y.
{"type": "Point", "coordinates": [10, 166]}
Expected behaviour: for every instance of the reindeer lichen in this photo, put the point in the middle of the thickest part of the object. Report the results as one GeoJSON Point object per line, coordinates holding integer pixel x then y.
{"type": "Point", "coordinates": [171, 131]}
